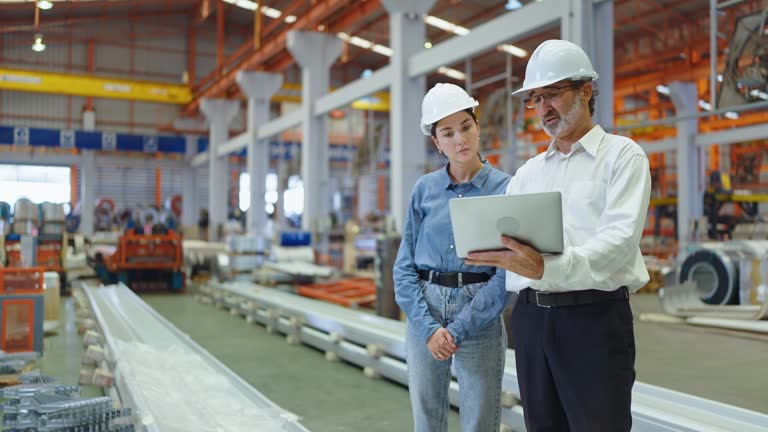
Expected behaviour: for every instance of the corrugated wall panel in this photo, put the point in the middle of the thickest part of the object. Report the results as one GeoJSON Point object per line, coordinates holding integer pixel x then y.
{"type": "Point", "coordinates": [156, 114]}
{"type": "Point", "coordinates": [126, 186]}
{"type": "Point", "coordinates": [37, 109]}
{"type": "Point", "coordinates": [172, 182]}
{"type": "Point", "coordinates": [201, 182]}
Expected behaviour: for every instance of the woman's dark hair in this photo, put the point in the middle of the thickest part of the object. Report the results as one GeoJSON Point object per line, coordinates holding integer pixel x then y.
{"type": "Point", "coordinates": [468, 111]}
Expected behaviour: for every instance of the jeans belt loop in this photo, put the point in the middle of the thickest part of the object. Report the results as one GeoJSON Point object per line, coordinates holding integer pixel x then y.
{"type": "Point", "coordinates": [431, 273]}
{"type": "Point", "coordinates": [542, 293]}
{"type": "Point", "coordinates": [461, 283]}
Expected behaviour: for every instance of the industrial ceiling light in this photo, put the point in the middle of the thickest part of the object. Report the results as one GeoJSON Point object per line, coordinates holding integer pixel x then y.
{"type": "Point", "coordinates": [38, 44]}
{"type": "Point", "coordinates": [44, 4]}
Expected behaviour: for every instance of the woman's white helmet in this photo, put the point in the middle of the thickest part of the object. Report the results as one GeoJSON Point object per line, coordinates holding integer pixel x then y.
{"type": "Point", "coordinates": [441, 101]}
{"type": "Point", "coordinates": [556, 60]}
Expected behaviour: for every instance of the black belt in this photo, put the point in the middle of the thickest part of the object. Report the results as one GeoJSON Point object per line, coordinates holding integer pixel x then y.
{"type": "Point", "coordinates": [572, 298]}
{"type": "Point", "coordinates": [453, 279]}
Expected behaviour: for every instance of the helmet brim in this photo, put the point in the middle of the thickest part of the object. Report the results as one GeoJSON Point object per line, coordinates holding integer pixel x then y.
{"type": "Point", "coordinates": [426, 128]}
{"type": "Point", "coordinates": [540, 84]}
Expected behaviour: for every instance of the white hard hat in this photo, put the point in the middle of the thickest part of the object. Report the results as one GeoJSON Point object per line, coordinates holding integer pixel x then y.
{"type": "Point", "coordinates": [556, 60]}
{"type": "Point", "coordinates": [441, 101]}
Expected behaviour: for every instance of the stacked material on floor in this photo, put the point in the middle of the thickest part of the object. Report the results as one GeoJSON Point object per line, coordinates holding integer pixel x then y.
{"type": "Point", "coordinates": [171, 382]}
{"type": "Point", "coordinates": [246, 254]}
{"type": "Point", "coordinates": [377, 345]}
{"type": "Point", "coordinates": [297, 261]}
{"type": "Point", "coordinates": [684, 301]}
{"type": "Point", "coordinates": [26, 217]}
{"type": "Point", "coordinates": [54, 218]}
{"type": "Point", "coordinates": [41, 404]}
{"type": "Point", "coordinates": [203, 260]}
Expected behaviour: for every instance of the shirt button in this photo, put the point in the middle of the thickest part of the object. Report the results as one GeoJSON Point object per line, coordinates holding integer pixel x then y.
{"type": "Point", "coordinates": [451, 246]}
{"type": "Point", "coordinates": [460, 195]}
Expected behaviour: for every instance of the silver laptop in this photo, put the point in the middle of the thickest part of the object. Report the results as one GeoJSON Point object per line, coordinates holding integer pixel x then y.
{"type": "Point", "coordinates": [535, 219]}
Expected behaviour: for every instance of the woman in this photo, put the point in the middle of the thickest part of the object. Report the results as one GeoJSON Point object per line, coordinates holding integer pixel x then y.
{"type": "Point", "coordinates": [453, 309]}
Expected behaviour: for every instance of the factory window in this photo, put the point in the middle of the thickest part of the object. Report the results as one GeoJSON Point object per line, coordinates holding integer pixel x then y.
{"type": "Point", "coordinates": [294, 194]}
{"type": "Point", "coordinates": [36, 183]}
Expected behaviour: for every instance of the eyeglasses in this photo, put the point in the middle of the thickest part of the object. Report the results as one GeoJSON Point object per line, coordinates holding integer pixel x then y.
{"type": "Point", "coordinates": [549, 94]}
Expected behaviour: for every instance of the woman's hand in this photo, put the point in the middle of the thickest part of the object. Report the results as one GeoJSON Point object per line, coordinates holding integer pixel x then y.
{"type": "Point", "coordinates": [441, 345]}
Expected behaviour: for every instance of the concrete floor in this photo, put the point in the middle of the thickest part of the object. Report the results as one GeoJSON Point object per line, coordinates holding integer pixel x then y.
{"type": "Point", "coordinates": [719, 365]}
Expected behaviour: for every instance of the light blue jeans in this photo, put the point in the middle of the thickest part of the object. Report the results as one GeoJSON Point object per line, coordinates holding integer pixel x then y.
{"type": "Point", "coordinates": [478, 364]}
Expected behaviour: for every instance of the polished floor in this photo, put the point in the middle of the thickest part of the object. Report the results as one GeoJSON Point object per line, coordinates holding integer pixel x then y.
{"type": "Point", "coordinates": [721, 365]}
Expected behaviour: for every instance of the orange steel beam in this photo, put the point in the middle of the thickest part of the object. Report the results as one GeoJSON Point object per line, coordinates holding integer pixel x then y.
{"type": "Point", "coordinates": [219, 36]}
{"type": "Point", "coordinates": [89, 100]}
{"type": "Point", "coordinates": [320, 11]}
{"type": "Point", "coordinates": [669, 11]}
{"type": "Point", "coordinates": [11, 26]}
{"type": "Point", "coordinates": [158, 186]}
{"type": "Point", "coordinates": [192, 55]}
{"type": "Point", "coordinates": [361, 10]}
{"type": "Point", "coordinates": [73, 186]}
{"type": "Point", "coordinates": [269, 28]}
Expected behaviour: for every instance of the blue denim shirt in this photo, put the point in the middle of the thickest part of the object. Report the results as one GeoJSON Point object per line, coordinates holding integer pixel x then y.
{"type": "Point", "coordinates": [428, 244]}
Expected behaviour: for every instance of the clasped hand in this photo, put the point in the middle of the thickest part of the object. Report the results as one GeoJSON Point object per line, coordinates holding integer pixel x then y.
{"type": "Point", "coordinates": [441, 345]}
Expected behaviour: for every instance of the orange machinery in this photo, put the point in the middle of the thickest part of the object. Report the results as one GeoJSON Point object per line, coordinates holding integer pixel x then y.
{"type": "Point", "coordinates": [351, 293]}
{"type": "Point", "coordinates": [21, 309]}
{"type": "Point", "coordinates": [148, 261]}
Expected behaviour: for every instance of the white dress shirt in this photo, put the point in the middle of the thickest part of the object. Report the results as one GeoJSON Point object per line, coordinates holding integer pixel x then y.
{"type": "Point", "coordinates": [605, 184]}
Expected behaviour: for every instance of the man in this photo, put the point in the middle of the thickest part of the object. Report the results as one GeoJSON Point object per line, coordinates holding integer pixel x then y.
{"type": "Point", "coordinates": [572, 324]}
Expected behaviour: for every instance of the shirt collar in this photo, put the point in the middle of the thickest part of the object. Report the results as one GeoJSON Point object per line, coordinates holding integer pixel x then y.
{"type": "Point", "coordinates": [589, 142]}
{"type": "Point", "coordinates": [477, 181]}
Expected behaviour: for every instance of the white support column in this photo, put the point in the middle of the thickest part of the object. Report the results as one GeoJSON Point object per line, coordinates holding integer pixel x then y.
{"type": "Point", "coordinates": [602, 58]}
{"type": "Point", "coordinates": [689, 182]}
{"type": "Point", "coordinates": [408, 147]}
{"type": "Point", "coordinates": [315, 53]}
{"type": "Point", "coordinates": [189, 199]}
{"type": "Point", "coordinates": [87, 191]}
{"type": "Point", "coordinates": [576, 24]}
{"type": "Point", "coordinates": [219, 113]}
{"type": "Point", "coordinates": [259, 87]}
{"type": "Point", "coordinates": [580, 18]}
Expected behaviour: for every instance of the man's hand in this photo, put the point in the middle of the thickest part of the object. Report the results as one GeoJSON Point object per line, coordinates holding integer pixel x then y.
{"type": "Point", "coordinates": [518, 258]}
{"type": "Point", "coordinates": [441, 345]}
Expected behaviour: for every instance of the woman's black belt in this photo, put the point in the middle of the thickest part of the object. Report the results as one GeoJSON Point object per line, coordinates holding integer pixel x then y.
{"type": "Point", "coordinates": [453, 279]}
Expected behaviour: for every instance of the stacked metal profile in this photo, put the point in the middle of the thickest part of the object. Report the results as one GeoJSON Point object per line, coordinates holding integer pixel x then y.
{"type": "Point", "coordinates": [378, 346]}
{"type": "Point", "coordinates": [42, 405]}
{"type": "Point", "coordinates": [161, 373]}
{"type": "Point", "coordinates": [54, 218]}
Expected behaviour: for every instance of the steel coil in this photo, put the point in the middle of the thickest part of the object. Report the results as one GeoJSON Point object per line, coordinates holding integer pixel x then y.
{"type": "Point", "coordinates": [715, 270]}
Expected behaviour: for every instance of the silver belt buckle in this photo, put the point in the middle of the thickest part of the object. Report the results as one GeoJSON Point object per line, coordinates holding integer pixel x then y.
{"type": "Point", "coordinates": [538, 303]}
{"type": "Point", "coordinates": [461, 283]}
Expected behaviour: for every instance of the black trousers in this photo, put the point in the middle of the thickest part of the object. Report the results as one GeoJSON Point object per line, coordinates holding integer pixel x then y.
{"type": "Point", "coordinates": [575, 365]}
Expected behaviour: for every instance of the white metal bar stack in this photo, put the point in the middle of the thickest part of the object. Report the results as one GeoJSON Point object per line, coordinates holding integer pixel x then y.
{"type": "Point", "coordinates": [378, 346]}
{"type": "Point", "coordinates": [172, 383]}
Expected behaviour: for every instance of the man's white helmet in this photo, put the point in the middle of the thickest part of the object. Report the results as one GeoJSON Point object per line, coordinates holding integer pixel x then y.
{"type": "Point", "coordinates": [441, 101]}
{"type": "Point", "coordinates": [556, 60]}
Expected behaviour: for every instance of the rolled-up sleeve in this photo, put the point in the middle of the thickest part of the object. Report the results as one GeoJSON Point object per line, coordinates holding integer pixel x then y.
{"type": "Point", "coordinates": [408, 292]}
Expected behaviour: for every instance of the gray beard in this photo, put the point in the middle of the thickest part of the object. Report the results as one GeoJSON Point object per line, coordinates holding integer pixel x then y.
{"type": "Point", "coordinates": [564, 121]}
